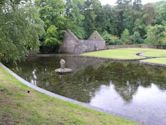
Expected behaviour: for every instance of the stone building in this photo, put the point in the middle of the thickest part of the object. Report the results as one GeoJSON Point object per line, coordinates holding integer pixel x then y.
{"type": "Point", "coordinates": [73, 45]}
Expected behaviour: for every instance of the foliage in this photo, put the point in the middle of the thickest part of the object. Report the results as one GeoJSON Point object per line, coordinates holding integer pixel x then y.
{"type": "Point", "coordinates": [20, 27]}
{"type": "Point", "coordinates": [125, 37]}
{"type": "Point", "coordinates": [52, 13]}
{"type": "Point", "coordinates": [91, 10]}
{"type": "Point", "coordinates": [74, 17]}
{"type": "Point", "coordinates": [160, 10]}
{"type": "Point", "coordinates": [149, 14]}
{"type": "Point", "coordinates": [51, 36]}
{"type": "Point", "coordinates": [111, 39]}
{"type": "Point", "coordinates": [136, 38]}
{"type": "Point", "coordinates": [156, 35]}
{"type": "Point", "coordinates": [85, 16]}
{"type": "Point", "coordinates": [137, 5]}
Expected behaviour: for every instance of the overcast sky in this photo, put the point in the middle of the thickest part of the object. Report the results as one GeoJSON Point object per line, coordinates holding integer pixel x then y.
{"type": "Point", "coordinates": [112, 2]}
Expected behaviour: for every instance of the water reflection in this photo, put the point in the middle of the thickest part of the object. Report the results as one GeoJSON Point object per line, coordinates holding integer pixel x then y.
{"type": "Point", "coordinates": [146, 106]}
{"type": "Point", "coordinates": [34, 77]}
{"type": "Point", "coordinates": [129, 89]}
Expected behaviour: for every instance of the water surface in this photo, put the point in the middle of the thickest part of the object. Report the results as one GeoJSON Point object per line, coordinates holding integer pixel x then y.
{"type": "Point", "coordinates": [128, 89]}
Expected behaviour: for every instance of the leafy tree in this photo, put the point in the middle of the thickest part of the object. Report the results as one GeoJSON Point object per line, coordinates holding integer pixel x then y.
{"type": "Point", "coordinates": [106, 20]}
{"type": "Point", "coordinates": [107, 37]}
{"type": "Point", "coordinates": [75, 17]}
{"type": "Point", "coordinates": [125, 37]}
{"type": "Point", "coordinates": [52, 13]}
{"type": "Point", "coordinates": [160, 10]}
{"type": "Point", "coordinates": [111, 39]}
{"type": "Point", "coordinates": [149, 14]}
{"type": "Point", "coordinates": [136, 38]}
{"type": "Point", "coordinates": [51, 36]}
{"type": "Point", "coordinates": [137, 5]}
{"type": "Point", "coordinates": [156, 35]}
{"type": "Point", "coordinates": [123, 10]}
{"type": "Point", "coordinates": [91, 9]}
{"type": "Point", "coordinates": [20, 28]}
{"type": "Point", "coordinates": [140, 27]}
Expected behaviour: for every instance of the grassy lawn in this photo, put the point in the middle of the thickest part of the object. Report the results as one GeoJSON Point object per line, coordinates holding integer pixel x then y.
{"type": "Point", "coordinates": [127, 53]}
{"type": "Point", "coordinates": [154, 52]}
{"type": "Point", "coordinates": [156, 61]}
{"type": "Point", "coordinates": [17, 106]}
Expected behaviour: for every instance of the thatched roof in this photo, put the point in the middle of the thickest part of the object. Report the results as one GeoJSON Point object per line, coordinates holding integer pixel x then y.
{"type": "Point", "coordinates": [95, 36]}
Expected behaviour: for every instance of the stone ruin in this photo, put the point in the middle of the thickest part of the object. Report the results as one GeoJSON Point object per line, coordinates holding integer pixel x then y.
{"type": "Point", "coordinates": [73, 45]}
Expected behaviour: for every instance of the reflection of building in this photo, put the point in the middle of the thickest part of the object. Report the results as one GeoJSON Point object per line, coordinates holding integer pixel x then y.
{"type": "Point", "coordinates": [127, 90]}
{"type": "Point", "coordinates": [72, 44]}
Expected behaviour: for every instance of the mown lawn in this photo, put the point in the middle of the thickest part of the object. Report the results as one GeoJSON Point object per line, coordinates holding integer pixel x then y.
{"type": "Point", "coordinates": [155, 61]}
{"type": "Point", "coordinates": [127, 53]}
{"type": "Point", "coordinates": [116, 53]}
{"type": "Point", "coordinates": [17, 106]}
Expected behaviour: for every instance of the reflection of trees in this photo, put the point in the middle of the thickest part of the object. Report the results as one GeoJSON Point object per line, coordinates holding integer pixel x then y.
{"type": "Point", "coordinates": [83, 83]}
{"type": "Point", "coordinates": [126, 77]}
{"type": "Point", "coordinates": [67, 85]}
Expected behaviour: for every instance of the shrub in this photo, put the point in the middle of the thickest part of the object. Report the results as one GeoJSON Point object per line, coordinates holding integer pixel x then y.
{"type": "Point", "coordinates": [111, 39]}
{"type": "Point", "coordinates": [136, 38]}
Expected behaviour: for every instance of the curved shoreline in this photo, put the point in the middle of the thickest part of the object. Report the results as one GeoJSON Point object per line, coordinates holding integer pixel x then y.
{"type": "Point", "coordinates": [84, 56]}
{"type": "Point", "coordinates": [51, 94]}
{"type": "Point", "coordinates": [141, 61]}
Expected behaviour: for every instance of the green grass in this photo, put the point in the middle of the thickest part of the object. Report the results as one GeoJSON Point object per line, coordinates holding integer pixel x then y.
{"type": "Point", "coordinates": [155, 61]}
{"type": "Point", "coordinates": [22, 108]}
{"type": "Point", "coordinates": [127, 53]}
{"type": "Point", "coordinates": [154, 52]}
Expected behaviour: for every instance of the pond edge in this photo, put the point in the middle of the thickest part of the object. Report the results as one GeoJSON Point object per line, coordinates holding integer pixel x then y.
{"type": "Point", "coordinates": [54, 95]}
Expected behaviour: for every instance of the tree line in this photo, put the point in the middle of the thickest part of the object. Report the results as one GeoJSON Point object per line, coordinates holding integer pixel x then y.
{"type": "Point", "coordinates": [26, 25]}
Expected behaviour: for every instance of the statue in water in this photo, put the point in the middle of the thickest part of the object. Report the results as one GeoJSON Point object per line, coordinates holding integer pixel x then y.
{"type": "Point", "coordinates": [62, 63]}
{"type": "Point", "coordinates": [63, 68]}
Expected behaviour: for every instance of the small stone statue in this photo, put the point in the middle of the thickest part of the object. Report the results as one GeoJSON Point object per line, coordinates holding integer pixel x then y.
{"type": "Point", "coordinates": [63, 69]}
{"type": "Point", "coordinates": [62, 63]}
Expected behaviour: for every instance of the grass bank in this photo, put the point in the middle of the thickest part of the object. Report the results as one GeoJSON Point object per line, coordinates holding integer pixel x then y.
{"type": "Point", "coordinates": [17, 106]}
{"type": "Point", "coordinates": [130, 54]}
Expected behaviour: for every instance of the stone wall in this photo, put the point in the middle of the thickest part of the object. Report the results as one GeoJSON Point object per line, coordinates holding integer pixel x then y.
{"type": "Point", "coordinates": [69, 42]}
{"type": "Point", "coordinates": [73, 45]}
{"type": "Point", "coordinates": [130, 46]}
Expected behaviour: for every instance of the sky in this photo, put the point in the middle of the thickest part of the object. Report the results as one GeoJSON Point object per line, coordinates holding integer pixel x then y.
{"type": "Point", "coordinates": [112, 2]}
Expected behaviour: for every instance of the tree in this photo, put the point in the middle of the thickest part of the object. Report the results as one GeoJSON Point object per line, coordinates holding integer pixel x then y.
{"type": "Point", "coordinates": [20, 27]}
{"type": "Point", "coordinates": [111, 39]}
{"type": "Point", "coordinates": [160, 10]}
{"type": "Point", "coordinates": [156, 35]}
{"type": "Point", "coordinates": [137, 5]}
{"type": "Point", "coordinates": [106, 20]}
{"type": "Point", "coordinates": [91, 9]}
{"type": "Point", "coordinates": [123, 10]}
{"type": "Point", "coordinates": [52, 13]}
{"type": "Point", "coordinates": [74, 13]}
{"type": "Point", "coordinates": [125, 37]}
{"type": "Point", "coordinates": [136, 38]}
{"type": "Point", "coordinates": [149, 14]}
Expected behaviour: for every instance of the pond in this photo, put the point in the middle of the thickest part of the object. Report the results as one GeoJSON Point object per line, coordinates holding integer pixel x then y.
{"type": "Point", "coordinates": [128, 89]}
